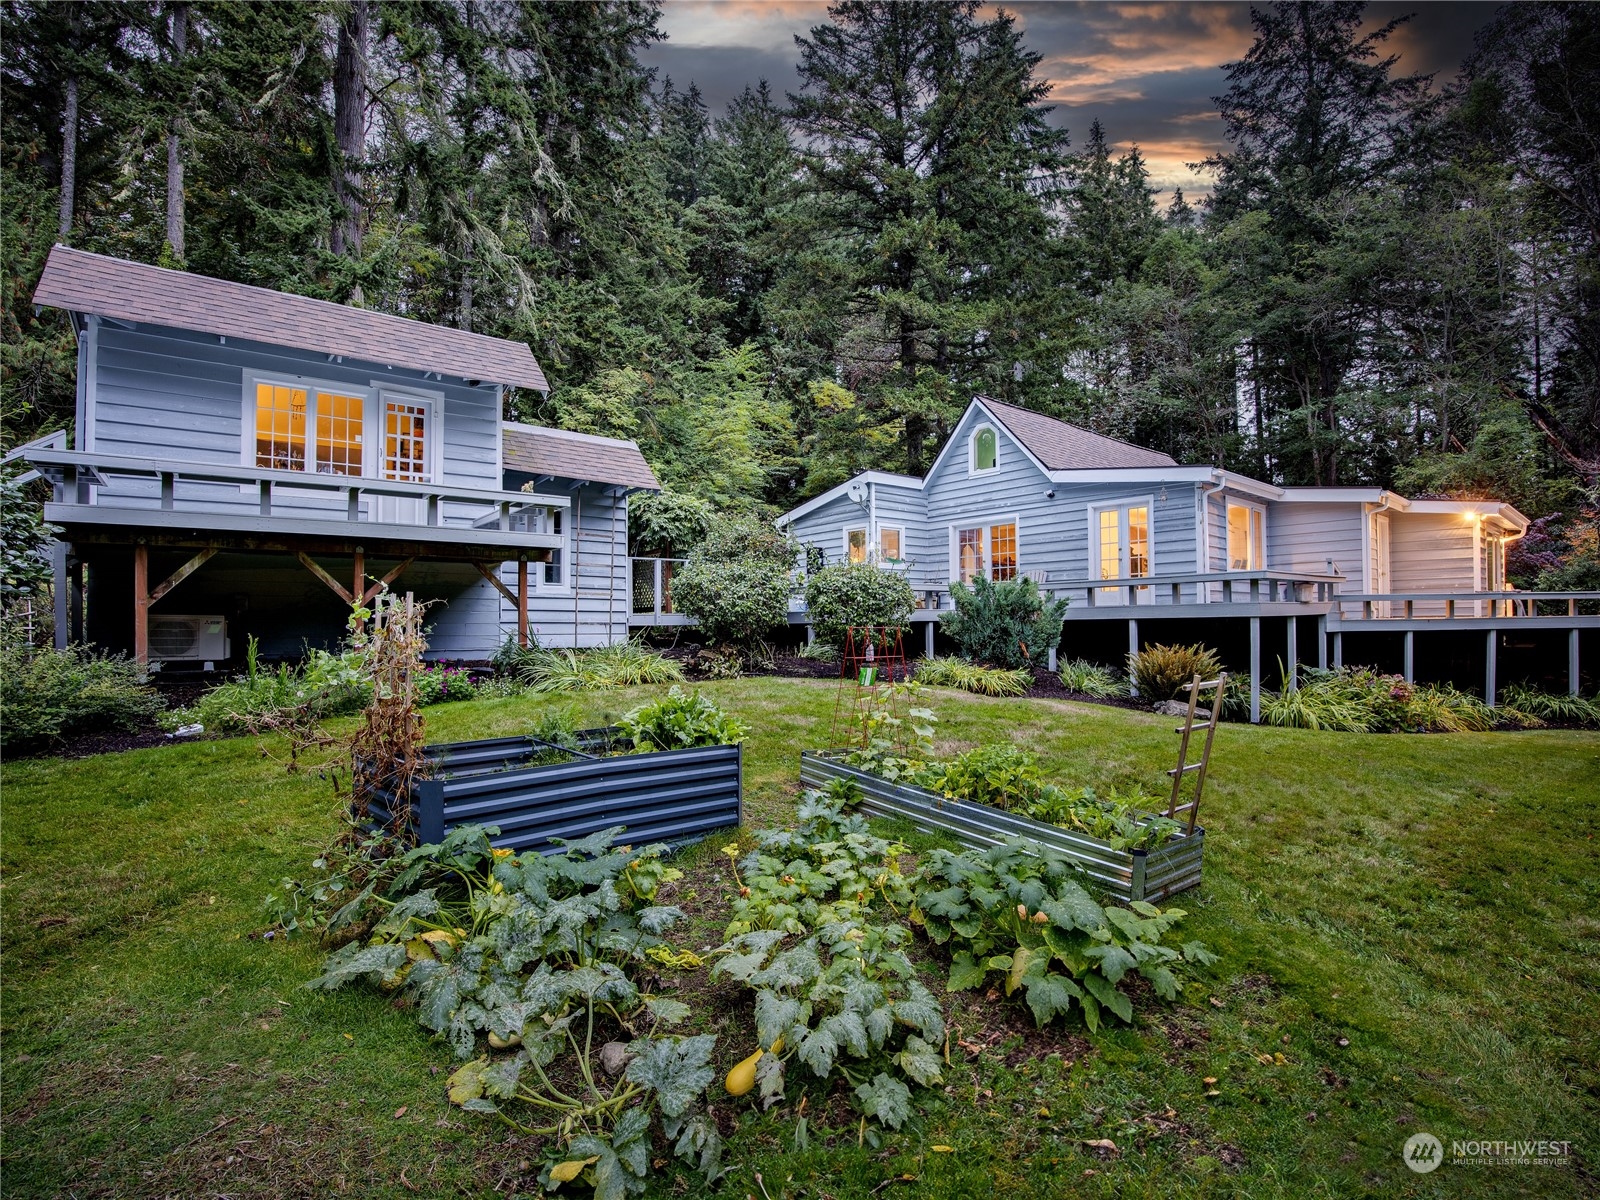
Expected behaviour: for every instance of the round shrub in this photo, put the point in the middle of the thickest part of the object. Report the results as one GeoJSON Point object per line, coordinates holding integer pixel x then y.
{"type": "Point", "coordinates": [736, 583]}
{"type": "Point", "coordinates": [1009, 624]}
{"type": "Point", "coordinates": [857, 594]}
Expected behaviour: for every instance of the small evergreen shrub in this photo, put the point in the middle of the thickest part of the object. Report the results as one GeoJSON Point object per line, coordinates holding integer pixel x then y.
{"type": "Point", "coordinates": [970, 677]}
{"type": "Point", "coordinates": [1091, 680]}
{"type": "Point", "coordinates": [1010, 624]}
{"type": "Point", "coordinates": [678, 721]}
{"type": "Point", "coordinates": [857, 594]}
{"type": "Point", "coordinates": [48, 694]}
{"type": "Point", "coordinates": [736, 583]}
{"type": "Point", "coordinates": [1162, 672]}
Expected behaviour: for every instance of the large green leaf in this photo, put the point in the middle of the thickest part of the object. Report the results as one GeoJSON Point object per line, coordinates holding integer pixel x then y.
{"type": "Point", "coordinates": [356, 961]}
{"type": "Point", "coordinates": [677, 1069]}
{"type": "Point", "coordinates": [966, 972]}
{"type": "Point", "coordinates": [1051, 996]}
{"type": "Point", "coordinates": [887, 1099]}
{"type": "Point", "coordinates": [921, 1061]}
{"type": "Point", "coordinates": [1106, 992]}
{"type": "Point", "coordinates": [1115, 962]}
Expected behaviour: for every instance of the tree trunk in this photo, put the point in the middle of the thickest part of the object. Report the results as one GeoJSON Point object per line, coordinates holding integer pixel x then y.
{"type": "Point", "coordinates": [180, 38]}
{"type": "Point", "coordinates": [350, 126]}
{"type": "Point", "coordinates": [69, 158]}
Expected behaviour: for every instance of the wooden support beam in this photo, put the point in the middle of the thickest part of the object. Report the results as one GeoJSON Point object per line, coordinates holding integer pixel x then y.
{"type": "Point", "coordinates": [522, 602]}
{"type": "Point", "coordinates": [338, 588]}
{"type": "Point", "coordinates": [1410, 665]}
{"type": "Point", "coordinates": [141, 603]}
{"type": "Point", "coordinates": [1572, 662]}
{"type": "Point", "coordinates": [371, 592]}
{"type": "Point", "coordinates": [1133, 649]}
{"type": "Point", "coordinates": [1293, 647]}
{"type": "Point", "coordinates": [494, 581]}
{"type": "Point", "coordinates": [1338, 648]}
{"type": "Point", "coordinates": [1491, 648]}
{"type": "Point", "coordinates": [1255, 670]}
{"type": "Point", "coordinates": [927, 637]}
{"type": "Point", "coordinates": [1322, 643]}
{"type": "Point", "coordinates": [182, 573]}
{"type": "Point", "coordinates": [358, 586]}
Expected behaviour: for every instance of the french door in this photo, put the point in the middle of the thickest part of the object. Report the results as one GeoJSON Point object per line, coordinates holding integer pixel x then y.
{"type": "Point", "coordinates": [1122, 549]}
{"type": "Point", "coordinates": [407, 455]}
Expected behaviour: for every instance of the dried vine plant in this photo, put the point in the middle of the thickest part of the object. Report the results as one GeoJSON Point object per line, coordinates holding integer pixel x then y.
{"type": "Point", "coordinates": [386, 749]}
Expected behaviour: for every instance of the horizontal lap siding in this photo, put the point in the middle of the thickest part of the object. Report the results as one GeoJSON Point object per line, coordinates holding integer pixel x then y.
{"type": "Point", "coordinates": [1053, 534]}
{"type": "Point", "coordinates": [1432, 552]}
{"type": "Point", "coordinates": [480, 619]}
{"type": "Point", "coordinates": [163, 393]}
{"type": "Point", "coordinates": [1307, 536]}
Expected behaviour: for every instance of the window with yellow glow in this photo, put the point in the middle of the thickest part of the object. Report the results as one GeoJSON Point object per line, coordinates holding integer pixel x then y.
{"type": "Point", "coordinates": [969, 554]}
{"type": "Point", "coordinates": [405, 440]}
{"type": "Point", "coordinates": [1138, 543]}
{"type": "Point", "coordinates": [889, 545]}
{"type": "Point", "coordinates": [280, 427]}
{"type": "Point", "coordinates": [1002, 552]}
{"type": "Point", "coordinates": [338, 434]}
{"type": "Point", "coordinates": [1244, 538]}
{"type": "Point", "coordinates": [856, 545]}
{"type": "Point", "coordinates": [1124, 543]}
{"type": "Point", "coordinates": [1110, 544]}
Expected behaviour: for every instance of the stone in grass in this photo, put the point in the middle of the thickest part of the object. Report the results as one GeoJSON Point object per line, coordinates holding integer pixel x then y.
{"type": "Point", "coordinates": [1180, 708]}
{"type": "Point", "coordinates": [614, 1058]}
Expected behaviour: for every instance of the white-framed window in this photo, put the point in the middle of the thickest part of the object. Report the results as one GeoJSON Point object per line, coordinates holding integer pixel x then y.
{"type": "Point", "coordinates": [856, 544]}
{"type": "Point", "coordinates": [1246, 525]}
{"type": "Point", "coordinates": [295, 423]}
{"type": "Point", "coordinates": [306, 425]}
{"type": "Point", "coordinates": [553, 578]}
{"type": "Point", "coordinates": [986, 549]}
{"type": "Point", "coordinates": [891, 543]}
{"type": "Point", "coordinates": [1121, 541]}
{"type": "Point", "coordinates": [983, 450]}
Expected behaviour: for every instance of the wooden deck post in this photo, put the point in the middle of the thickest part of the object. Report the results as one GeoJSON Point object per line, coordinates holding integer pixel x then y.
{"type": "Point", "coordinates": [1490, 649]}
{"type": "Point", "coordinates": [1411, 656]}
{"type": "Point", "coordinates": [141, 604]}
{"type": "Point", "coordinates": [1338, 649]}
{"type": "Point", "coordinates": [927, 638]}
{"type": "Point", "coordinates": [1322, 643]}
{"type": "Point", "coordinates": [1293, 647]}
{"type": "Point", "coordinates": [75, 628]}
{"type": "Point", "coordinates": [59, 589]}
{"type": "Point", "coordinates": [522, 602]}
{"type": "Point", "coordinates": [359, 587]}
{"type": "Point", "coordinates": [1133, 650]}
{"type": "Point", "coordinates": [1572, 662]}
{"type": "Point", "coordinates": [1255, 670]}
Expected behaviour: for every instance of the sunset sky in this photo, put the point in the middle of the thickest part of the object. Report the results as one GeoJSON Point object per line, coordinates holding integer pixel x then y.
{"type": "Point", "coordinates": [1147, 71]}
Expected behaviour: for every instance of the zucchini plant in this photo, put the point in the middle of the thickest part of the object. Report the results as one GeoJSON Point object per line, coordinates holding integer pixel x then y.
{"type": "Point", "coordinates": [844, 1001]}
{"type": "Point", "coordinates": [828, 868]}
{"type": "Point", "coordinates": [540, 957]}
{"type": "Point", "coordinates": [1017, 912]}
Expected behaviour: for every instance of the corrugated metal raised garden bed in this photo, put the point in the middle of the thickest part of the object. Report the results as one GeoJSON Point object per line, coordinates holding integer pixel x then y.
{"type": "Point", "coordinates": [1126, 875]}
{"type": "Point", "coordinates": [535, 791]}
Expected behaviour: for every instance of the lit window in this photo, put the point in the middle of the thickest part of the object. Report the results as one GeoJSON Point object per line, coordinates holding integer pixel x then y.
{"type": "Point", "coordinates": [1138, 543]}
{"type": "Point", "coordinates": [1244, 538]}
{"type": "Point", "coordinates": [280, 427]}
{"type": "Point", "coordinates": [889, 545]}
{"type": "Point", "coordinates": [983, 449]}
{"type": "Point", "coordinates": [1002, 552]}
{"type": "Point", "coordinates": [338, 434]}
{"type": "Point", "coordinates": [1124, 551]}
{"type": "Point", "coordinates": [969, 554]}
{"type": "Point", "coordinates": [1110, 544]}
{"type": "Point", "coordinates": [855, 545]}
{"type": "Point", "coordinates": [405, 447]}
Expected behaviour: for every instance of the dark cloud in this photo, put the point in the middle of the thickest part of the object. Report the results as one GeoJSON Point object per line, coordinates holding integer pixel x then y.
{"type": "Point", "coordinates": [1146, 71]}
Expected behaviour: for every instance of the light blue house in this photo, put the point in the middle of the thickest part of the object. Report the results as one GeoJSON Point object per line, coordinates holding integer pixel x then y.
{"type": "Point", "coordinates": [1169, 552]}
{"type": "Point", "coordinates": [246, 462]}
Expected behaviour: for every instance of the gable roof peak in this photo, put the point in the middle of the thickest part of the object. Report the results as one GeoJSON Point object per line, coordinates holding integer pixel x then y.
{"type": "Point", "coordinates": [1061, 446]}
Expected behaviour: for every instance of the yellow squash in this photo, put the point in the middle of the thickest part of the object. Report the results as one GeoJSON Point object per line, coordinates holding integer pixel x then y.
{"type": "Point", "coordinates": [743, 1077]}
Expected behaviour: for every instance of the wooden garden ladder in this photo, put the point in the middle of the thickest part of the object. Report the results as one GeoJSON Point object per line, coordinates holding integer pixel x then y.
{"type": "Point", "coordinates": [1217, 686]}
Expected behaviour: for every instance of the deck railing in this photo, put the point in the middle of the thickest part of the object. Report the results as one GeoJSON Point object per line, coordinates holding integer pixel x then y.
{"type": "Point", "coordinates": [1411, 606]}
{"type": "Point", "coordinates": [1213, 587]}
{"type": "Point", "coordinates": [90, 487]}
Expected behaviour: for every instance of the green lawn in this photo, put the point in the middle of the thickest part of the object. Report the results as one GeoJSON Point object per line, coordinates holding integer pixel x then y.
{"type": "Point", "coordinates": [1412, 923]}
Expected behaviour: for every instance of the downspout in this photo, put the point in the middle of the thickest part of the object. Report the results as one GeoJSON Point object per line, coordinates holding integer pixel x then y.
{"type": "Point", "coordinates": [873, 540]}
{"type": "Point", "coordinates": [1204, 590]}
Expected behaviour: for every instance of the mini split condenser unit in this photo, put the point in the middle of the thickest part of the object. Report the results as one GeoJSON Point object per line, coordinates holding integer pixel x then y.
{"type": "Point", "coordinates": [176, 639]}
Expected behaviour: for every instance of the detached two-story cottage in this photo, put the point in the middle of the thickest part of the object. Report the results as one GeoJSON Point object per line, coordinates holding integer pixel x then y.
{"type": "Point", "coordinates": [1130, 535]}
{"type": "Point", "coordinates": [249, 463]}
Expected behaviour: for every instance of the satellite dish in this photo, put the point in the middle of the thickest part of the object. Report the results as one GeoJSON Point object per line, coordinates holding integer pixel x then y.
{"type": "Point", "coordinates": [857, 492]}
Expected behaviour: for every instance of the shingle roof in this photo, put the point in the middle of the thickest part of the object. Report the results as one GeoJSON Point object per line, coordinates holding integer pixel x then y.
{"type": "Point", "coordinates": [541, 451]}
{"type": "Point", "coordinates": [113, 287]}
{"type": "Point", "coordinates": [1063, 447]}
